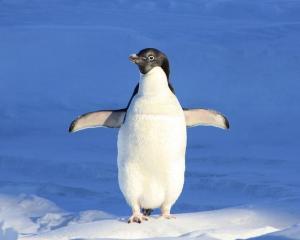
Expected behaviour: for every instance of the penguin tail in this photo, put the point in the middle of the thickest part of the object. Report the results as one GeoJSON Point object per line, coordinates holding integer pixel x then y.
{"type": "Point", "coordinates": [147, 211]}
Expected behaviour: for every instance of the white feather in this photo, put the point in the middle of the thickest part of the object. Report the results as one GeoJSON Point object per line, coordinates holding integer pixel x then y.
{"type": "Point", "coordinates": [151, 145]}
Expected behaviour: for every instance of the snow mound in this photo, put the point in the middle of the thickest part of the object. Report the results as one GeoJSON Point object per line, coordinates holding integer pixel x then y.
{"type": "Point", "coordinates": [229, 224]}
{"type": "Point", "coordinates": [292, 232]}
{"type": "Point", "coordinates": [20, 212]}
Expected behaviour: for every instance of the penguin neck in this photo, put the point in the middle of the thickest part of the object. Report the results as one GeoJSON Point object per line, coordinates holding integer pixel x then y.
{"type": "Point", "coordinates": [154, 82]}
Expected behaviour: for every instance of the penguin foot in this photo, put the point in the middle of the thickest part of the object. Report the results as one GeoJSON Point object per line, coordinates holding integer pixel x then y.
{"type": "Point", "coordinates": [137, 218]}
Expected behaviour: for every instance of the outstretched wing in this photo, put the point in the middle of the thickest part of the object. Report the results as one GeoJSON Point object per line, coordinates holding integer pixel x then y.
{"type": "Point", "coordinates": [205, 117]}
{"type": "Point", "coordinates": [105, 118]}
{"type": "Point", "coordinates": [115, 118]}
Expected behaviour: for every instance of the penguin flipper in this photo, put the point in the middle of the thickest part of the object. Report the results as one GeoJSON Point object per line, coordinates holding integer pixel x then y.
{"type": "Point", "coordinates": [104, 118]}
{"type": "Point", "coordinates": [205, 117]}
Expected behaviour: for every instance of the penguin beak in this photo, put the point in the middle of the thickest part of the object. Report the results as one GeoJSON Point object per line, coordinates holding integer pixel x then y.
{"type": "Point", "coordinates": [134, 58]}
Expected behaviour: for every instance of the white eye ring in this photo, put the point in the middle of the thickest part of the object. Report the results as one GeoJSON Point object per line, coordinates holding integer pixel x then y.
{"type": "Point", "coordinates": [151, 58]}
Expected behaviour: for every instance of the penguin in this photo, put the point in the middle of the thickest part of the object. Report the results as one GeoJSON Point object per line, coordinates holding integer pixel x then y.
{"type": "Point", "coordinates": [152, 137]}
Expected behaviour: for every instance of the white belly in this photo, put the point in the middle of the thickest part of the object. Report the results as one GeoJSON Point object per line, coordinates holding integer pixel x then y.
{"type": "Point", "coordinates": [151, 152]}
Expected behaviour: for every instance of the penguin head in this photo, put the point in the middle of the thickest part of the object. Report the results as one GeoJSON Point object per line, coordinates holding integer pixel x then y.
{"type": "Point", "coordinates": [149, 58]}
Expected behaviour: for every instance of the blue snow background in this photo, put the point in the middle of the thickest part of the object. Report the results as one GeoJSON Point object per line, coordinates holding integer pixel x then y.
{"type": "Point", "coordinates": [59, 59]}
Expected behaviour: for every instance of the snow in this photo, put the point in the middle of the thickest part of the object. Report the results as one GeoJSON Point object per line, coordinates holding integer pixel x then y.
{"type": "Point", "coordinates": [242, 223]}
{"type": "Point", "coordinates": [292, 232]}
{"type": "Point", "coordinates": [62, 58]}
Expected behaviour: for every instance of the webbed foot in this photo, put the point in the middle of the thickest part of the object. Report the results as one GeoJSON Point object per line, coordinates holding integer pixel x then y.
{"type": "Point", "coordinates": [137, 218]}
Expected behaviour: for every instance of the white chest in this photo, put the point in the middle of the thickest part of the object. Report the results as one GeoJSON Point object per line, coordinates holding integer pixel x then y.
{"type": "Point", "coordinates": [152, 143]}
{"type": "Point", "coordinates": [155, 122]}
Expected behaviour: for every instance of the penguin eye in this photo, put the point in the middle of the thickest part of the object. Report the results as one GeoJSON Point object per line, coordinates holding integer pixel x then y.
{"type": "Point", "coordinates": [151, 58]}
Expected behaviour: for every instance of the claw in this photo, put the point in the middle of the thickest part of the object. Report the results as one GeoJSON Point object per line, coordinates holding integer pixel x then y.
{"type": "Point", "coordinates": [137, 218]}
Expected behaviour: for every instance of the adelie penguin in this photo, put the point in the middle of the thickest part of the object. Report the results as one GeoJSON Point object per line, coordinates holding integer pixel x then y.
{"type": "Point", "coordinates": [152, 137]}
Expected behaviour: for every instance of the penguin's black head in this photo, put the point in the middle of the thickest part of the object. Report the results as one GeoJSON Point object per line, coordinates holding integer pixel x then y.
{"type": "Point", "coordinates": [149, 58]}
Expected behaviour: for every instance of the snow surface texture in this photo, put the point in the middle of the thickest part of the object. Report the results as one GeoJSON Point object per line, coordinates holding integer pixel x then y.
{"type": "Point", "coordinates": [62, 58]}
